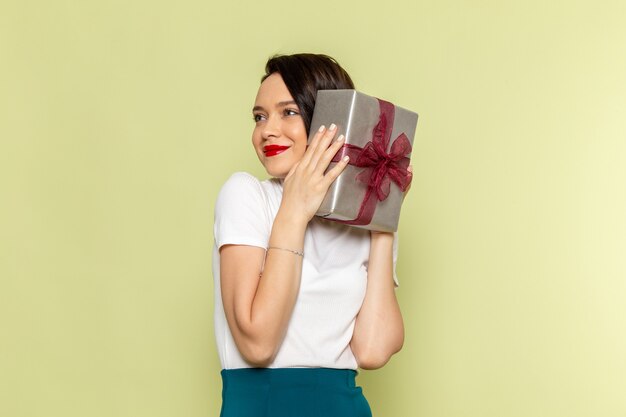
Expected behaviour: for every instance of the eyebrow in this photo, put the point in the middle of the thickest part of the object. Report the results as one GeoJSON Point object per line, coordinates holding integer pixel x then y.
{"type": "Point", "coordinates": [279, 104]}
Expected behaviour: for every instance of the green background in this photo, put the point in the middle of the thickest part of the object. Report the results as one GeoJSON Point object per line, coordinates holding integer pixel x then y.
{"type": "Point", "coordinates": [119, 121]}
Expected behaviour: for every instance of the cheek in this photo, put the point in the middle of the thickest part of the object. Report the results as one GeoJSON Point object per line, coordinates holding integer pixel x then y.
{"type": "Point", "coordinates": [298, 134]}
{"type": "Point", "coordinates": [300, 146]}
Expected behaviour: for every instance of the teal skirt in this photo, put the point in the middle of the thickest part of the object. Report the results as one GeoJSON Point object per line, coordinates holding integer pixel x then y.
{"type": "Point", "coordinates": [292, 392]}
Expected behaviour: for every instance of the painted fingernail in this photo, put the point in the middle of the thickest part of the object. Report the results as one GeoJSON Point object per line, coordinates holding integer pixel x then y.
{"type": "Point", "coordinates": [340, 138]}
{"type": "Point", "coordinates": [321, 129]}
{"type": "Point", "coordinates": [332, 127]}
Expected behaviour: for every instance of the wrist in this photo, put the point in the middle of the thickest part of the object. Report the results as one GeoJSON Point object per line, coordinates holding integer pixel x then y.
{"type": "Point", "coordinates": [290, 220]}
{"type": "Point", "coordinates": [382, 237]}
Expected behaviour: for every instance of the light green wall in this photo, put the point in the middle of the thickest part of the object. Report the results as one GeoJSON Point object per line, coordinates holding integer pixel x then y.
{"type": "Point", "coordinates": [119, 120]}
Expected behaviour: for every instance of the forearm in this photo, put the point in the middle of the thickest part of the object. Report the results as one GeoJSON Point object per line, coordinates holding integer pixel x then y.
{"type": "Point", "coordinates": [280, 281]}
{"type": "Point", "coordinates": [277, 290]}
{"type": "Point", "coordinates": [379, 329]}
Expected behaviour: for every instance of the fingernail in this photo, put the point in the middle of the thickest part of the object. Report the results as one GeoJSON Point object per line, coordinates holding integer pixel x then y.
{"type": "Point", "coordinates": [321, 129]}
{"type": "Point", "coordinates": [340, 138]}
{"type": "Point", "coordinates": [346, 158]}
{"type": "Point", "coordinates": [332, 127]}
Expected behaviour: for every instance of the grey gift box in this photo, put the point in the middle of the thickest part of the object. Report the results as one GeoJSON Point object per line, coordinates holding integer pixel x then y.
{"type": "Point", "coordinates": [356, 115]}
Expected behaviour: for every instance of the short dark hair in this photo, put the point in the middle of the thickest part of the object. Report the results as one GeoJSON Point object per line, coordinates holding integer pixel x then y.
{"type": "Point", "coordinates": [304, 74]}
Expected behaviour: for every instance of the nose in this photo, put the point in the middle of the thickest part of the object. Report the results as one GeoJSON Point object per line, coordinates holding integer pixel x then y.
{"type": "Point", "coordinates": [271, 128]}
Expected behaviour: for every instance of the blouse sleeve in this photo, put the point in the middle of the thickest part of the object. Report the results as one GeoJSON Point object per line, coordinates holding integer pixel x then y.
{"type": "Point", "coordinates": [241, 214]}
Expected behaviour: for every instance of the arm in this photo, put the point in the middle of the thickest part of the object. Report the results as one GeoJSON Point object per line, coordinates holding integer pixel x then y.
{"type": "Point", "coordinates": [379, 329]}
{"type": "Point", "coordinates": [258, 306]}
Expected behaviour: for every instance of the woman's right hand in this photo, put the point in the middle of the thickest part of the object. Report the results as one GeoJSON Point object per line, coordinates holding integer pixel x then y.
{"type": "Point", "coordinates": [306, 184]}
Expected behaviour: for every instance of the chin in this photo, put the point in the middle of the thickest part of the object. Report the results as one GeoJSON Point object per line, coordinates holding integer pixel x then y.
{"type": "Point", "coordinates": [276, 174]}
{"type": "Point", "coordinates": [279, 167]}
{"type": "Point", "coordinates": [277, 171]}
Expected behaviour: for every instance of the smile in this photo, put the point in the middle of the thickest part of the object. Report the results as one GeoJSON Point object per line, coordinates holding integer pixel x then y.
{"type": "Point", "coordinates": [272, 150]}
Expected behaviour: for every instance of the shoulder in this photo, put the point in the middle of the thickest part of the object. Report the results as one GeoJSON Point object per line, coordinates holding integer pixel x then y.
{"type": "Point", "coordinates": [241, 180]}
{"type": "Point", "coordinates": [243, 190]}
{"type": "Point", "coordinates": [246, 181]}
{"type": "Point", "coordinates": [241, 213]}
{"type": "Point", "coordinates": [239, 186]}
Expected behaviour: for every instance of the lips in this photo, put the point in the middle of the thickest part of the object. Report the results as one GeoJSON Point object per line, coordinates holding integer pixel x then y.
{"type": "Point", "coordinates": [272, 150]}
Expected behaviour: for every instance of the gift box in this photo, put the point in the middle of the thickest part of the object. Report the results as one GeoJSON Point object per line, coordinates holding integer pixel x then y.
{"type": "Point", "coordinates": [378, 138]}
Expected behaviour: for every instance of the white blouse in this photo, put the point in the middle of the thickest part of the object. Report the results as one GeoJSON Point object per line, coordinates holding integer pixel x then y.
{"type": "Point", "coordinates": [333, 283]}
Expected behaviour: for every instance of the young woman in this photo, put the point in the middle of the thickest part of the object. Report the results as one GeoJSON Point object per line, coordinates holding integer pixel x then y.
{"type": "Point", "coordinates": [300, 302]}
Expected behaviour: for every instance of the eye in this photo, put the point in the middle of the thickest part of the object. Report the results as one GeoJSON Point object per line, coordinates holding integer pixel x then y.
{"type": "Point", "coordinates": [291, 112]}
{"type": "Point", "coordinates": [257, 117]}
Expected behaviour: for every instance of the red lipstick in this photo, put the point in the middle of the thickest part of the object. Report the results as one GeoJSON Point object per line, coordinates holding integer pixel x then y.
{"type": "Point", "coordinates": [271, 150]}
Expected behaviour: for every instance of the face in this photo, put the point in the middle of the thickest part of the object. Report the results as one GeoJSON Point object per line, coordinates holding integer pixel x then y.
{"type": "Point", "coordinates": [279, 135]}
